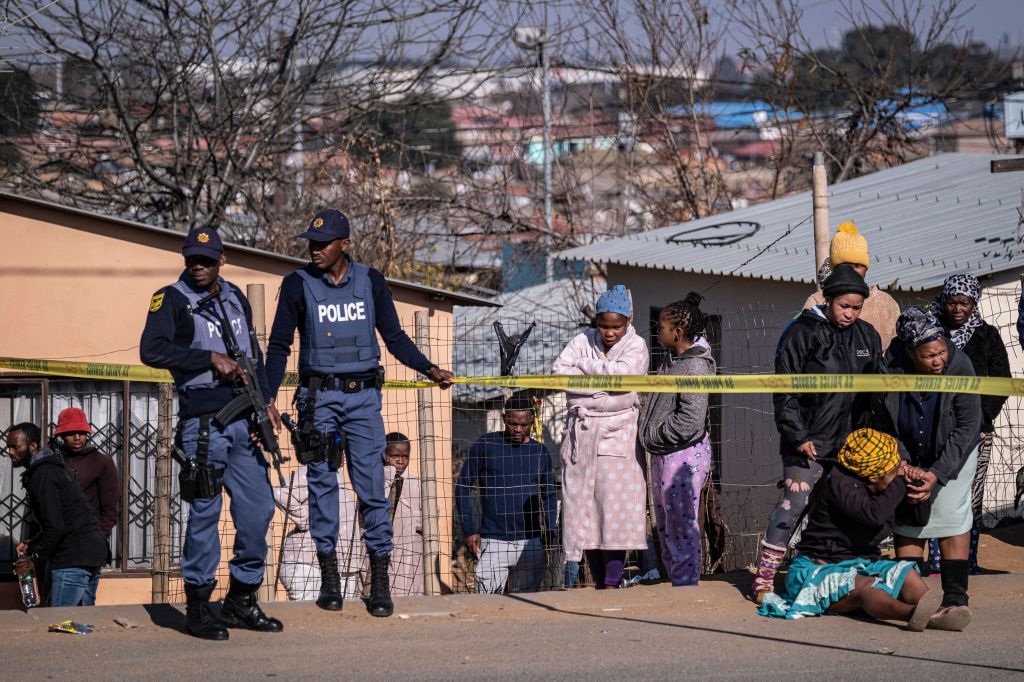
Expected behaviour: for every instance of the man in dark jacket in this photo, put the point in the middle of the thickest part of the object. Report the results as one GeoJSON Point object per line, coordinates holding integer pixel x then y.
{"type": "Point", "coordinates": [69, 537]}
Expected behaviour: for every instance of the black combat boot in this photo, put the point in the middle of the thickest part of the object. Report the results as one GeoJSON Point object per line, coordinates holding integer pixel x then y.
{"type": "Point", "coordinates": [240, 609]}
{"type": "Point", "coordinates": [330, 582]}
{"type": "Point", "coordinates": [380, 603]}
{"type": "Point", "coordinates": [199, 620]}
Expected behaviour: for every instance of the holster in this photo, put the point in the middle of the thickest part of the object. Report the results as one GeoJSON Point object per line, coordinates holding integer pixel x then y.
{"type": "Point", "coordinates": [199, 480]}
{"type": "Point", "coordinates": [311, 444]}
{"type": "Point", "coordinates": [336, 450]}
{"type": "Point", "coordinates": [310, 447]}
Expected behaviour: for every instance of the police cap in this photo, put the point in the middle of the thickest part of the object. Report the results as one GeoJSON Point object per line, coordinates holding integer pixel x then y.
{"type": "Point", "coordinates": [326, 226]}
{"type": "Point", "coordinates": [203, 241]}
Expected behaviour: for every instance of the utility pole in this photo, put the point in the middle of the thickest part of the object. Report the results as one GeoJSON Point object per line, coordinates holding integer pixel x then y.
{"type": "Point", "coordinates": [534, 39]}
{"type": "Point", "coordinates": [819, 193]}
{"type": "Point", "coordinates": [548, 151]}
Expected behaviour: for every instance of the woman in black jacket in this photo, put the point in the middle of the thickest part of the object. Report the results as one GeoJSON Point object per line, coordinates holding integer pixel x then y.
{"type": "Point", "coordinates": [825, 339]}
{"type": "Point", "coordinates": [956, 307]}
{"type": "Point", "coordinates": [939, 433]}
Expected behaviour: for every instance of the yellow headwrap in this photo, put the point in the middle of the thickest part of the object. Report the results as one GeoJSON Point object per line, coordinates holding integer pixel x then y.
{"type": "Point", "coordinates": [869, 453]}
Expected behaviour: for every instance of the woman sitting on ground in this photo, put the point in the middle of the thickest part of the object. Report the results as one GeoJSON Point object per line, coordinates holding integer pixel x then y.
{"type": "Point", "coordinates": [838, 568]}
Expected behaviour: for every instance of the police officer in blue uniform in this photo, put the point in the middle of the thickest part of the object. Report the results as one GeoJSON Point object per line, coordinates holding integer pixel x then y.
{"type": "Point", "coordinates": [187, 339]}
{"type": "Point", "coordinates": [338, 305]}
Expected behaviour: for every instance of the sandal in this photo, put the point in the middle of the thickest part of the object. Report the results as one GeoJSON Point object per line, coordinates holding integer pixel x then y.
{"type": "Point", "coordinates": [952, 618]}
{"type": "Point", "coordinates": [926, 607]}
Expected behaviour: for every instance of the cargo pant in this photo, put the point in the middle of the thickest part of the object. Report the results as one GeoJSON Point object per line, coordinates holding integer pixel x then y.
{"type": "Point", "coordinates": [252, 506]}
{"type": "Point", "coordinates": [358, 416]}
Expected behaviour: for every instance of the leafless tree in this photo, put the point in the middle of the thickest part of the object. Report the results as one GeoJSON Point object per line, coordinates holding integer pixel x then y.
{"type": "Point", "coordinates": [230, 114]}
{"type": "Point", "coordinates": [858, 100]}
{"type": "Point", "coordinates": [662, 51]}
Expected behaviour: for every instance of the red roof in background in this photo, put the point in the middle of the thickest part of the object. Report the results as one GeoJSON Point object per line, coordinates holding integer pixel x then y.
{"type": "Point", "coordinates": [762, 149]}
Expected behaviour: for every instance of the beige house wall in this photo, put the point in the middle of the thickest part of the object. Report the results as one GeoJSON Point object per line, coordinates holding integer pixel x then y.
{"type": "Point", "coordinates": [78, 287]}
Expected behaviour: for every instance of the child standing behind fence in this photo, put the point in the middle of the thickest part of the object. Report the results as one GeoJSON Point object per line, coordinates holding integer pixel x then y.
{"type": "Point", "coordinates": [673, 429]}
{"type": "Point", "coordinates": [603, 488]}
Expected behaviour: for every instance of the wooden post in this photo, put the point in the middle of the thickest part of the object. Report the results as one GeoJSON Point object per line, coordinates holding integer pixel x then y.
{"type": "Point", "coordinates": [162, 495]}
{"type": "Point", "coordinates": [425, 416]}
{"type": "Point", "coordinates": [257, 301]}
{"type": "Point", "coordinates": [819, 192]}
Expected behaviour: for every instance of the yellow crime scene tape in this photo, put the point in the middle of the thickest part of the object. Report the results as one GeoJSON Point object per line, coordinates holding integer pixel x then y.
{"type": "Point", "coordinates": [735, 383]}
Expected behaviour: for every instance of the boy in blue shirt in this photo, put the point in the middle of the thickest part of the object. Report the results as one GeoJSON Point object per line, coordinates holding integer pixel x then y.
{"type": "Point", "coordinates": [512, 477]}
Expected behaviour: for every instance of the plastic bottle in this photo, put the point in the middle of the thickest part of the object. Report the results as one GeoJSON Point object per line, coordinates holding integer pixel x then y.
{"type": "Point", "coordinates": [27, 584]}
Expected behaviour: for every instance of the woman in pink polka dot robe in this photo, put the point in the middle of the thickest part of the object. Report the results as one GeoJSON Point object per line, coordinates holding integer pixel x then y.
{"type": "Point", "coordinates": [603, 488]}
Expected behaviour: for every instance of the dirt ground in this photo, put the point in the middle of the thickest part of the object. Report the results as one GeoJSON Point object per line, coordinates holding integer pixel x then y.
{"type": "Point", "coordinates": [1002, 549]}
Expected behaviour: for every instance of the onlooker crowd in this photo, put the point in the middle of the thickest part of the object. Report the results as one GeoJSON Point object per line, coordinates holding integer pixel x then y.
{"type": "Point", "coordinates": [857, 469]}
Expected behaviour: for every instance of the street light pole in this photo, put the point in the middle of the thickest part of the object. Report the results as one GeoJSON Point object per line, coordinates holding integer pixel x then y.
{"type": "Point", "coordinates": [532, 38]}
{"type": "Point", "coordinates": [548, 151]}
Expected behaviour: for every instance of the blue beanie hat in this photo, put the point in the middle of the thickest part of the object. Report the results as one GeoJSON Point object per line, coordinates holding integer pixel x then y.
{"type": "Point", "coordinates": [616, 300]}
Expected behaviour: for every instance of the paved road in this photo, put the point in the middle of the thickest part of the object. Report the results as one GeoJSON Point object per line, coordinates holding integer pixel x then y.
{"type": "Point", "coordinates": [641, 633]}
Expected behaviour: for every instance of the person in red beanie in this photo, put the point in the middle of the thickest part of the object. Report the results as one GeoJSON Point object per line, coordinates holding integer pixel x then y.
{"type": "Point", "coordinates": [94, 471]}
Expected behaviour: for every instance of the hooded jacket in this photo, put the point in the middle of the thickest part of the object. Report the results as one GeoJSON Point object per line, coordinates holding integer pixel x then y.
{"type": "Point", "coordinates": [813, 345]}
{"type": "Point", "coordinates": [958, 415]}
{"type": "Point", "coordinates": [670, 422]}
{"type": "Point", "coordinates": [68, 530]}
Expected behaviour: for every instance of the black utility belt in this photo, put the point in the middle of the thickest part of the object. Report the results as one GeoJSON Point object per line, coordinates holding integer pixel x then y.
{"type": "Point", "coordinates": [347, 383]}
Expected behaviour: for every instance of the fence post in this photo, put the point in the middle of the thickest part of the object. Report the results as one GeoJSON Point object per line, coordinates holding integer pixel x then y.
{"type": "Point", "coordinates": [162, 495]}
{"type": "Point", "coordinates": [425, 417]}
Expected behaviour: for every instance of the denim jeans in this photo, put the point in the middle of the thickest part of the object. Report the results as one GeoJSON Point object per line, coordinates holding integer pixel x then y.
{"type": "Point", "coordinates": [74, 586]}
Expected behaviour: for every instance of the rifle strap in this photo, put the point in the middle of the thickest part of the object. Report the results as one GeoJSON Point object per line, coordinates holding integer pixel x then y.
{"type": "Point", "coordinates": [203, 446]}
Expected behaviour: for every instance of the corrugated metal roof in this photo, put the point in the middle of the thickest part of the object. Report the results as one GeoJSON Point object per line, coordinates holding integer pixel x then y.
{"type": "Point", "coordinates": [923, 220]}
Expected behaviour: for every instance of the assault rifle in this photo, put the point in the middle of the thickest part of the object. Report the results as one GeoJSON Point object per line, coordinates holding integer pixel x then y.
{"type": "Point", "coordinates": [250, 399]}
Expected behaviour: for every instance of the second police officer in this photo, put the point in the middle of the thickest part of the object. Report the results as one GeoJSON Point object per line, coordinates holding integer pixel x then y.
{"type": "Point", "coordinates": [338, 305]}
{"type": "Point", "coordinates": [187, 339]}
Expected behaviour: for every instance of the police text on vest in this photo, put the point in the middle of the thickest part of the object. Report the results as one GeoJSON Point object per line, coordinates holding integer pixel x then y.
{"type": "Point", "coordinates": [342, 312]}
{"type": "Point", "coordinates": [236, 328]}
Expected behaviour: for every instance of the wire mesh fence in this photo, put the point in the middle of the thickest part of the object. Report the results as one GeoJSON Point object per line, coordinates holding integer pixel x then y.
{"type": "Point", "coordinates": [429, 506]}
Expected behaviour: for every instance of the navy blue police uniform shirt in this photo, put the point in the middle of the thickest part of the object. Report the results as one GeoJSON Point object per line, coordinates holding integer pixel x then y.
{"type": "Point", "coordinates": [291, 312]}
{"type": "Point", "coordinates": [166, 344]}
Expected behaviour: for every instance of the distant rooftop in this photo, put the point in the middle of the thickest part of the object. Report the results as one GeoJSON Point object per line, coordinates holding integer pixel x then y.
{"type": "Point", "coordinates": [923, 220]}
